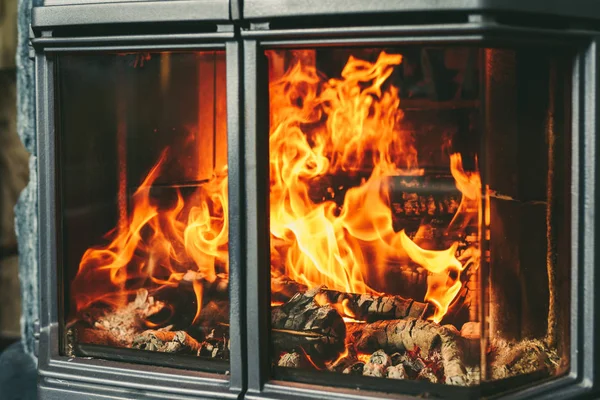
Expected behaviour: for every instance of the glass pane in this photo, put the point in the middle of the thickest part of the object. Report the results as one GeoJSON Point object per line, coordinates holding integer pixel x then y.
{"type": "Point", "coordinates": [379, 214]}
{"type": "Point", "coordinates": [527, 147]}
{"type": "Point", "coordinates": [143, 202]}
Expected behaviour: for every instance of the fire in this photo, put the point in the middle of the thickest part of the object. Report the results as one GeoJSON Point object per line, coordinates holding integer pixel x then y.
{"type": "Point", "coordinates": [158, 244]}
{"type": "Point", "coordinates": [443, 283]}
{"type": "Point", "coordinates": [350, 126]}
{"type": "Point", "coordinates": [320, 129]}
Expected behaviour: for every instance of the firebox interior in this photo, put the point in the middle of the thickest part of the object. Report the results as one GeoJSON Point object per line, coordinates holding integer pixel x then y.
{"type": "Point", "coordinates": [142, 150]}
{"type": "Point", "coordinates": [419, 205]}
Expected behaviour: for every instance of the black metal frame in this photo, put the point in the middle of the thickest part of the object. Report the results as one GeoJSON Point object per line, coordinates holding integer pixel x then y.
{"type": "Point", "coordinates": [480, 30]}
{"type": "Point", "coordinates": [81, 378]}
{"type": "Point", "coordinates": [111, 12]}
{"type": "Point", "coordinates": [270, 9]}
{"type": "Point", "coordinates": [265, 25]}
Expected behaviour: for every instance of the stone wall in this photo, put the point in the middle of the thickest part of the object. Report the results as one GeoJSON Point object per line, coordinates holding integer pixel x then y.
{"type": "Point", "coordinates": [26, 209]}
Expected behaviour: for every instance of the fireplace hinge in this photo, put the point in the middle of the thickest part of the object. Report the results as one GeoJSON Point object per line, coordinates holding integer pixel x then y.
{"type": "Point", "coordinates": [36, 337]}
{"type": "Point", "coordinates": [30, 49]}
{"type": "Point", "coordinates": [260, 26]}
{"type": "Point", "coordinates": [225, 28]}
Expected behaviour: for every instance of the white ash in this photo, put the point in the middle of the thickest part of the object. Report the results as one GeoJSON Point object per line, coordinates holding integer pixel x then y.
{"type": "Point", "coordinates": [376, 370]}
{"type": "Point", "coordinates": [289, 360]}
{"type": "Point", "coordinates": [519, 358]}
{"type": "Point", "coordinates": [380, 357]}
{"type": "Point", "coordinates": [397, 372]}
{"type": "Point", "coordinates": [427, 375]}
{"type": "Point", "coordinates": [473, 375]}
{"type": "Point", "coordinates": [471, 330]}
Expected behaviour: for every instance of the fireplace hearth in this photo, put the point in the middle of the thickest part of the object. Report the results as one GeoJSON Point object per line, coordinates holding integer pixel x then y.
{"type": "Point", "coordinates": [267, 200]}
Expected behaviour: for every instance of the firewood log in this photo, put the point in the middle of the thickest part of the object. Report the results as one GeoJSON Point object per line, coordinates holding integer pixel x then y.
{"type": "Point", "coordinates": [284, 288]}
{"type": "Point", "coordinates": [369, 307]}
{"type": "Point", "coordinates": [408, 334]}
{"type": "Point", "coordinates": [166, 341]}
{"type": "Point", "coordinates": [302, 323]}
{"type": "Point", "coordinates": [362, 307]}
{"type": "Point", "coordinates": [115, 326]}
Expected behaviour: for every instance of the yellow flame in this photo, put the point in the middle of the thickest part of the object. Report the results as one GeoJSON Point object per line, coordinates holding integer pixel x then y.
{"type": "Point", "coordinates": [350, 126]}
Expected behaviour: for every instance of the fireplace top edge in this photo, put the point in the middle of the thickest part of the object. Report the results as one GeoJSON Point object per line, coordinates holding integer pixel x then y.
{"type": "Point", "coordinates": [60, 13]}
{"type": "Point", "coordinates": [269, 9]}
{"type": "Point", "coordinates": [83, 13]}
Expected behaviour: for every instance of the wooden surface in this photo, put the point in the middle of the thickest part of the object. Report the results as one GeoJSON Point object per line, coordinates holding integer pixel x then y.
{"type": "Point", "coordinates": [8, 33]}
{"type": "Point", "coordinates": [13, 177]}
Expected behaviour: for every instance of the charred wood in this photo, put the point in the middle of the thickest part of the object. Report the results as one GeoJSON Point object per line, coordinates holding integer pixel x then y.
{"type": "Point", "coordinates": [427, 374]}
{"type": "Point", "coordinates": [166, 342]}
{"type": "Point", "coordinates": [362, 307]}
{"type": "Point", "coordinates": [369, 307]}
{"type": "Point", "coordinates": [355, 369]}
{"type": "Point", "coordinates": [350, 358]}
{"type": "Point", "coordinates": [408, 334]}
{"type": "Point", "coordinates": [284, 288]}
{"type": "Point", "coordinates": [302, 323]}
{"type": "Point", "coordinates": [116, 326]}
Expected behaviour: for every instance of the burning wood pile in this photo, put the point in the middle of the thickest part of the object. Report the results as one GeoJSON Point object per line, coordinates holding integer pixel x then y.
{"type": "Point", "coordinates": [390, 337]}
{"type": "Point", "coordinates": [354, 221]}
{"type": "Point", "coordinates": [150, 323]}
{"type": "Point", "coordinates": [386, 337]}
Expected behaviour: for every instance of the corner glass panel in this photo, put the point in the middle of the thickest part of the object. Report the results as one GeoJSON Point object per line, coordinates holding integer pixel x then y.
{"type": "Point", "coordinates": [419, 227]}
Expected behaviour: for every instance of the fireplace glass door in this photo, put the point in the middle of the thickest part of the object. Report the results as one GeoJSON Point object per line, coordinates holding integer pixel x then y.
{"type": "Point", "coordinates": [143, 216]}
{"type": "Point", "coordinates": [418, 211]}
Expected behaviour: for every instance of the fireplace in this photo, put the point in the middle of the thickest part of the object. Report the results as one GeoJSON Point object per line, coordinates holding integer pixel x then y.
{"type": "Point", "coordinates": [271, 200]}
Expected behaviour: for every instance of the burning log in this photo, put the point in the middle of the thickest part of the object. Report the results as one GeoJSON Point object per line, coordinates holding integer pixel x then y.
{"type": "Point", "coordinates": [115, 327]}
{"type": "Point", "coordinates": [284, 288]}
{"type": "Point", "coordinates": [412, 196]}
{"type": "Point", "coordinates": [182, 300]}
{"type": "Point", "coordinates": [192, 285]}
{"type": "Point", "coordinates": [362, 307]}
{"type": "Point", "coordinates": [302, 323]}
{"type": "Point", "coordinates": [127, 326]}
{"type": "Point", "coordinates": [215, 345]}
{"type": "Point", "coordinates": [166, 342]}
{"type": "Point", "coordinates": [368, 307]}
{"type": "Point", "coordinates": [408, 334]}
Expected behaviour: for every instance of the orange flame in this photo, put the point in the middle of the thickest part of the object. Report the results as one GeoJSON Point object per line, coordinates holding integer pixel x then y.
{"type": "Point", "coordinates": [350, 126]}
{"type": "Point", "coordinates": [198, 290]}
{"type": "Point", "coordinates": [158, 245]}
